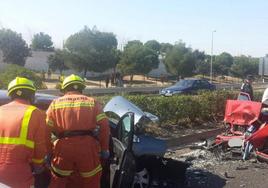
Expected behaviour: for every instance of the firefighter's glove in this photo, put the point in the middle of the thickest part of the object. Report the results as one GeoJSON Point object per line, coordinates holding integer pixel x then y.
{"type": "Point", "coordinates": [38, 169]}
{"type": "Point", "coordinates": [48, 159]}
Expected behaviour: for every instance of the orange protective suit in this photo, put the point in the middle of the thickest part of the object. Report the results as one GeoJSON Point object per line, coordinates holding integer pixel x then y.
{"type": "Point", "coordinates": [77, 155]}
{"type": "Point", "coordinates": [23, 143]}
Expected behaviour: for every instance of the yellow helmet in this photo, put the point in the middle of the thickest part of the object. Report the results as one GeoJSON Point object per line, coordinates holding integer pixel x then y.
{"type": "Point", "coordinates": [73, 79]}
{"type": "Point", "coordinates": [20, 83]}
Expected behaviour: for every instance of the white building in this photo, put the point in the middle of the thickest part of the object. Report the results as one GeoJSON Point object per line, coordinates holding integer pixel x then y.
{"type": "Point", "coordinates": [38, 62]}
{"type": "Point", "coordinates": [263, 66]}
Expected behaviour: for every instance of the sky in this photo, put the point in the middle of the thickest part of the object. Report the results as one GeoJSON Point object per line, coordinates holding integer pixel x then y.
{"type": "Point", "coordinates": [241, 25]}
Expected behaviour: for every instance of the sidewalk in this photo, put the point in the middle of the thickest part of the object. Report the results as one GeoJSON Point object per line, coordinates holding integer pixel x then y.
{"type": "Point", "coordinates": [138, 81]}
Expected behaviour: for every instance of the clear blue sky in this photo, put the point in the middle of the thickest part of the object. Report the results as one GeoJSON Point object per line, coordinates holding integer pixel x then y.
{"type": "Point", "coordinates": [241, 25]}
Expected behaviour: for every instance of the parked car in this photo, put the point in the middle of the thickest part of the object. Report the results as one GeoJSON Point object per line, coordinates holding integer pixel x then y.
{"type": "Point", "coordinates": [187, 86]}
{"type": "Point", "coordinates": [137, 159]}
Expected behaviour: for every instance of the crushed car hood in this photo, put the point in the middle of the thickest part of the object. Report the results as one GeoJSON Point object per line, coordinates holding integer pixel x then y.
{"type": "Point", "coordinates": [119, 105]}
{"type": "Point", "coordinates": [242, 112]}
{"type": "Point", "coordinates": [144, 144]}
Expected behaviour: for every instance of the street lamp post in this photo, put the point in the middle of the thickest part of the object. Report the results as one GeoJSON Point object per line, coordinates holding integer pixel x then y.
{"type": "Point", "coordinates": [211, 58]}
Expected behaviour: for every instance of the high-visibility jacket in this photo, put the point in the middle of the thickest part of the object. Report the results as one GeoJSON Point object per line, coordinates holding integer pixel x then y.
{"type": "Point", "coordinates": [23, 142]}
{"type": "Point", "coordinates": [73, 112]}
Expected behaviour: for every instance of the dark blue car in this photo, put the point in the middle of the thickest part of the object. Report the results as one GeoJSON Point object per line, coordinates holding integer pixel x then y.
{"type": "Point", "coordinates": [187, 86]}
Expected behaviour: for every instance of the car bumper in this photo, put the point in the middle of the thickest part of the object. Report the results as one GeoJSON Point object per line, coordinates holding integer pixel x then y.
{"type": "Point", "coordinates": [168, 94]}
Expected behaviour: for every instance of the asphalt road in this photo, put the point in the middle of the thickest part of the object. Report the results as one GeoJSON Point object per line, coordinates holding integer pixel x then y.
{"type": "Point", "coordinates": [207, 171]}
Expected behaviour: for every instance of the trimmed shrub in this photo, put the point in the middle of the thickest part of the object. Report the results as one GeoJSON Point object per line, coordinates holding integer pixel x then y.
{"type": "Point", "coordinates": [181, 109]}
{"type": "Point", "coordinates": [11, 71]}
{"type": "Point", "coordinates": [197, 108]}
{"type": "Point", "coordinates": [206, 106]}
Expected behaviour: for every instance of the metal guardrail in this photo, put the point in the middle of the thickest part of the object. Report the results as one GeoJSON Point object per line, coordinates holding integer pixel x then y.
{"type": "Point", "coordinates": [114, 90]}
{"type": "Point", "coordinates": [150, 89]}
{"type": "Point", "coordinates": [228, 86]}
{"type": "Point", "coordinates": [120, 90]}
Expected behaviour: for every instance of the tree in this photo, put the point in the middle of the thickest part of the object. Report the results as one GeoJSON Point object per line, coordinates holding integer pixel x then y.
{"type": "Point", "coordinates": [132, 42]}
{"type": "Point", "coordinates": [138, 59]}
{"type": "Point", "coordinates": [165, 47]}
{"type": "Point", "coordinates": [11, 71]}
{"type": "Point", "coordinates": [42, 41]}
{"type": "Point", "coordinates": [223, 63]}
{"type": "Point", "coordinates": [115, 58]}
{"type": "Point", "coordinates": [56, 61]}
{"type": "Point", "coordinates": [154, 45]}
{"type": "Point", "coordinates": [180, 60]}
{"type": "Point", "coordinates": [90, 50]}
{"type": "Point", "coordinates": [13, 47]}
{"type": "Point", "coordinates": [203, 67]}
{"type": "Point", "coordinates": [202, 64]}
{"type": "Point", "coordinates": [244, 65]}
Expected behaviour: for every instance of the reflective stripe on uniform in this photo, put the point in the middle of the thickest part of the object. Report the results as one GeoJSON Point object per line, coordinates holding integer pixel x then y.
{"type": "Point", "coordinates": [22, 139]}
{"type": "Point", "coordinates": [100, 117]}
{"type": "Point", "coordinates": [49, 122]}
{"type": "Point", "coordinates": [61, 172]}
{"type": "Point", "coordinates": [37, 161]}
{"type": "Point", "coordinates": [59, 105]}
{"type": "Point", "coordinates": [92, 172]}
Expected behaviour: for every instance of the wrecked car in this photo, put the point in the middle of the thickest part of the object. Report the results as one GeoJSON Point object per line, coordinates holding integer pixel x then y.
{"type": "Point", "coordinates": [241, 117]}
{"type": "Point", "coordinates": [246, 129]}
{"type": "Point", "coordinates": [151, 168]}
{"type": "Point", "coordinates": [257, 144]}
{"type": "Point", "coordinates": [137, 158]}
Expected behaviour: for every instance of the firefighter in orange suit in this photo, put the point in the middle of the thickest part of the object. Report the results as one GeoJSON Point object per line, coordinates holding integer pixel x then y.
{"type": "Point", "coordinates": [83, 136]}
{"type": "Point", "coordinates": [23, 136]}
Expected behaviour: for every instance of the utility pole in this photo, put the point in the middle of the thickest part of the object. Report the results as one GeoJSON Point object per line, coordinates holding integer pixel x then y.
{"type": "Point", "coordinates": [211, 58]}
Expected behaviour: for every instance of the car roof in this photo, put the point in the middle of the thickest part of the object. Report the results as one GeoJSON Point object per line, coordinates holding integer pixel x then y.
{"type": "Point", "coordinates": [3, 93]}
{"type": "Point", "coordinates": [41, 100]}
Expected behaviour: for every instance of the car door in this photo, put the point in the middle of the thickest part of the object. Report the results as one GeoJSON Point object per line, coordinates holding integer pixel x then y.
{"type": "Point", "coordinates": [204, 85]}
{"type": "Point", "coordinates": [195, 86]}
{"type": "Point", "coordinates": [123, 166]}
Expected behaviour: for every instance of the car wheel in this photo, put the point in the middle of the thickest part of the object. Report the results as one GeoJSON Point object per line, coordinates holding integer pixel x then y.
{"type": "Point", "coordinates": [141, 179]}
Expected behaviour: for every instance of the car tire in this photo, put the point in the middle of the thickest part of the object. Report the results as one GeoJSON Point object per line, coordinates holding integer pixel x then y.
{"type": "Point", "coordinates": [141, 179]}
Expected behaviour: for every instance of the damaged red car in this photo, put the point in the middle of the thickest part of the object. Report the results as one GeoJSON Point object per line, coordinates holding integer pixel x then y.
{"type": "Point", "coordinates": [246, 129]}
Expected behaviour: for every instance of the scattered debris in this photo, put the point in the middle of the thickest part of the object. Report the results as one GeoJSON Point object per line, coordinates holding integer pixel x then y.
{"type": "Point", "coordinates": [208, 170]}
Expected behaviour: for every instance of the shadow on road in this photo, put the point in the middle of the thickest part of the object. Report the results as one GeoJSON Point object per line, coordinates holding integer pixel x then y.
{"type": "Point", "coordinates": [197, 178]}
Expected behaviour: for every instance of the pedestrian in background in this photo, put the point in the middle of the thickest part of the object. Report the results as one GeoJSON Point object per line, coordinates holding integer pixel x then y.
{"type": "Point", "coordinates": [107, 80]}
{"type": "Point", "coordinates": [48, 74]}
{"type": "Point", "coordinates": [247, 86]}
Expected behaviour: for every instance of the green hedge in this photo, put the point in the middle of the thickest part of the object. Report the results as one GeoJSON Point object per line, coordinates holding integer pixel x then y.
{"type": "Point", "coordinates": [181, 109]}
{"type": "Point", "coordinates": [11, 71]}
